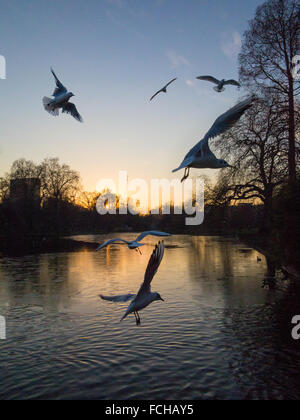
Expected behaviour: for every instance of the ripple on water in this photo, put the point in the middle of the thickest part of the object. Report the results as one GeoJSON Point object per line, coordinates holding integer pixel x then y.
{"type": "Point", "coordinates": [218, 335]}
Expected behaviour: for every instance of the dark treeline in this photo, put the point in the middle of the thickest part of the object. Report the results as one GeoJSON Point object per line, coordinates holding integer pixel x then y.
{"type": "Point", "coordinates": [38, 223]}
{"type": "Point", "coordinates": [40, 203]}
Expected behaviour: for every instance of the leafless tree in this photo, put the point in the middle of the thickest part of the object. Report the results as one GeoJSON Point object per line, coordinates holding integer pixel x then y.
{"type": "Point", "coordinates": [20, 168]}
{"type": "Point", "coordinates": [88, 199]}
{"type": "Point", "coordinates": [23, 168]}
{"type": "Point", "coordinates": [4, 188]}
{"type": "Point", "coordinates": [256, 147]}
{"type": "Point", "coordinates": [266, 60]}
{"type": "Point", "coordinates": [59, 181]}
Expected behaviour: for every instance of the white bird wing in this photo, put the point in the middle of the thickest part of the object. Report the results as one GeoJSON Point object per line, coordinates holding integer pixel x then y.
{"type": "Point", "coordinates": [153, 233]}
{"type": "Point", "coordinates": [229, 118]}
{"type": "Point", "coordinates": [152, 268]}
{"type": "Point", "coordinates": [110, 241]}
{"type": "Point", "coordinates": [70, 108]}
{"type": "Point", "coordinates": [119, 298]}
{"type": "Point", "coordinates": [220, 126]}
{"type": "Point", "coordinates": [209, 79]}
{"type": "Point", "coordinates": [232, 82]}
{"type": "Point", "coordinates": [59, 86]}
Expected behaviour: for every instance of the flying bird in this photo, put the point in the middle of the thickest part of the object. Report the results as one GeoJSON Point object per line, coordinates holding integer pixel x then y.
{"type": "Point", "coordinates": [220, 83]}
{"type": "Point", "coordinates": [136, 243]}
{"type": "Point", "coordinates": [164, 89]}
{"type": "Point", "coordinates": [200, 156]}
{"type": "Point", "coordinates": [61, 100]}
{"type": "Point", "coordinates": [144, 296]}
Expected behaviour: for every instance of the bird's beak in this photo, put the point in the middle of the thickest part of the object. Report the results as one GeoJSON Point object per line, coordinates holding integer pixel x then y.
{"type": "Point", "coordinates": [162, 299]}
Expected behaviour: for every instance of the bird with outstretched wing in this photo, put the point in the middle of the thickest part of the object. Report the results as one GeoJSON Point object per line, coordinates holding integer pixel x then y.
{"type": "Point", "coordinates": [144, 297]}
{"type": "Point", "coordinates": [60, 100]}
{"type": "Point", "coordinates": [164, 89]}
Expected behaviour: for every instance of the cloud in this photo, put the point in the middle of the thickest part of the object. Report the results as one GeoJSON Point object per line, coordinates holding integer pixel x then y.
{"type": "Point", "coordinates": [177, 60]}
{"type": "Point", "coordinates": [190, 83]}
{"type": "Point", "coordinates": [231, 44]}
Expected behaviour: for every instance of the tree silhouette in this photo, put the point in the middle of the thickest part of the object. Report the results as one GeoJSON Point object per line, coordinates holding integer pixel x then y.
{"type": "Point", "coordinates": [266, 60]}
{"type": "Point", "coordinates": [257, 146]}
{"type": "Point", "coordinates": [266, 66]}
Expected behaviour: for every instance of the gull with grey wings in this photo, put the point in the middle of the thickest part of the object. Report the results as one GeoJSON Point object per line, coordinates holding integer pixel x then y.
{"type": "Point", "coordinates": [144, 297]}
{"type": "Point", "coordinates": [164, 89]}
{"type": "Point", "coordinates": [135, 244]}
{"type": "Point", "coordinates": [220, 83]}
{"type": "Point", "coordinates": [60, 100]}
{"type": "Point", "coordinates": [200, 156]}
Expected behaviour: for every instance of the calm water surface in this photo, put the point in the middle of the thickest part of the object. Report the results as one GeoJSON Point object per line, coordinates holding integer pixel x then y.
{"type": "Point", "coordinates": [218, 334]}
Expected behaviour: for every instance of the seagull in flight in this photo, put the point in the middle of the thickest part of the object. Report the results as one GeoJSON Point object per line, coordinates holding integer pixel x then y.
{"type": "Point", "coordinates": [136, 243]}
{"type": "Point", "coordinates": [200, 156]}
{"type": "Point", "coordinates": [164, 89]}
{"type": "Point", "coordinates": [220, 83]}
{"type": "Point", "coordinates": [61, 100]}
{"type": "Point", "coordinates": [144, 296]}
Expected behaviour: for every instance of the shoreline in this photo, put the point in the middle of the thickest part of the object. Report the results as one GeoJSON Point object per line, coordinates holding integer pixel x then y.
{"type": "Point", "coordinates": [36, 246]}
{"type": "Point", "coordinates": [46, 247]}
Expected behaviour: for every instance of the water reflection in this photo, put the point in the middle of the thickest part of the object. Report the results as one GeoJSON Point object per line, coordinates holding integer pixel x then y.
{"type": "Point", "coordinates": [218, 335]}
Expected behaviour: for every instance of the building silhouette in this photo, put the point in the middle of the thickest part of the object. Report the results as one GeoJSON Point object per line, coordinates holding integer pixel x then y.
{"type": "Point", "coordinates": [25, 206]}
{"type": "Point", "coordinates": [25, 191]}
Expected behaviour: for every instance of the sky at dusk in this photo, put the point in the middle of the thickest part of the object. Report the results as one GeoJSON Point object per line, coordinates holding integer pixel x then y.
{"type": "Point", "coordinates": [114, 55]}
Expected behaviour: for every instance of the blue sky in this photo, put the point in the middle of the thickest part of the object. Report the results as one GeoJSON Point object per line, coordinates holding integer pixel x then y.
{"type": "Point", "coordinates": [114, 54]}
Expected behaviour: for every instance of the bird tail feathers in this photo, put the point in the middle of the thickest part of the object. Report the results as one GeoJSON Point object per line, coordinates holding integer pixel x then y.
{"type": "Point", "coordinates": [48, 107]}
{"type": "Point", "coordinates": [217, 89]}
{"type": "Point", "coordinates": [129, 310]}
{"type": "Point", "coordinates": [187, 161]}
{"type": "Point", "coordinates": [125, 315]}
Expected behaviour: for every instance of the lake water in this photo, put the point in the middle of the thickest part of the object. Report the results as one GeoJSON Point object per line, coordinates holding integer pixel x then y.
{"type": "Point", "coordinates": [218, 334]}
